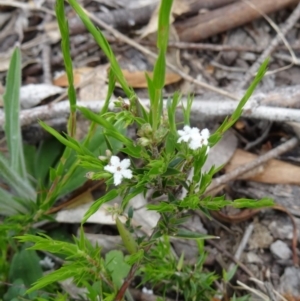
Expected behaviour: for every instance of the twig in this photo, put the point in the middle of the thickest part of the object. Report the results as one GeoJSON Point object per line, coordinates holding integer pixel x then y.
{"type": "Point", "coordinates": [46, 63]}
{"type": "Point", "coordinates": [259, 282]}
{"type": "Point", "coordinates": [254, 291]}
{"type": "Point", "coordinates": [261, 138]}
{"type": "Point", "coordinates": [146, 51]}
{"type": "Point", "coordinates": [217, 47]}
{"type": "Point", "coordinates": [229, 255]}
{"type": "Point", "coordinates": [270, 291]}
{"type": "Point", "coordinates": [227, 68]}
{"type": "Point", "coordinates": [24, 6]}
{"type": "Point", "coordinates": [200, 109]}
{"type": "Point", "coordinates": [253, 164]}
{"type": "Point", "coordinates": [289, 23]}
{"type": "Point", "coordinates": [242, 244]}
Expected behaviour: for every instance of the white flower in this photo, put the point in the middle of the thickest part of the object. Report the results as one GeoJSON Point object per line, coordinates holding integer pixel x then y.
{"type": "Point", "coordinates": [119, 169]}
{"type": "Point", "coordinates": [147, 291]}
{"type": "Point", "coordinates": [47, 263]}
{"type": "Point", "coordinates": [204, 136]}
{"type": "Point", "coordinates": [193, 137]}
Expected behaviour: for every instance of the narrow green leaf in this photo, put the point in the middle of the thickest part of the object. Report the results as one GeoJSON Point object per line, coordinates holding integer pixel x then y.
{"type": "Point", "coordinates": [102, 42]}
{"type": "Point", "coordinates": [164, 24]}
{"type": "Point", "coordinates": [15, 181]}
{"type": "Point", "coordinates": [47, 154]}
{"type": "Point", "coordinates": [65, 46]}
{"type": "Point", "coordinates": [127, 238]}
{"type": "Point", "coordinates": [60, 138]}
{"type": "Point", "coordinates": [249, 203]}
{"type": "Point", "coordinates": [238, 111]}
{"type": "Point", "coordinates": [63, 273]}
{"type": "Point", "coordinates": [159, 72]}
{"type": "Point", "coordinates": [133, 192]}
{"type": "Point", "coordinates": [12, 126]}
{"type": "Point", "coordinates": [10, 206]}
{"type": "Point", "coordinates": [98, 203]}
{"type": "Point", "coordinates": [228, 276]}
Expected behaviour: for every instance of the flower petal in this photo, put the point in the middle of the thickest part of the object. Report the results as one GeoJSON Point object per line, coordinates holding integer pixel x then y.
{"type": "Point", "coordinates": [194, 131]}
{"type": "Point", "coordinates": [184, 138]}
{"type": "Point", "coordinates": [115, 161]}
{"type": "Point", "coordinates": [187, 128]}
{"type": "Point", "coordinates": [117, 178]}
{"type": "Point", "coordinates": [194, 144]}
{"type": "Point", "coordinates": [127, 173]}
{"type": "Point", "coordinates": [205, 133]}
{"type": "Point", "coordinates": [125, 163]}
{"type": "Point", "coordinates": [181, 133]}
{"type": "Point", "coordinates": [110, 168]}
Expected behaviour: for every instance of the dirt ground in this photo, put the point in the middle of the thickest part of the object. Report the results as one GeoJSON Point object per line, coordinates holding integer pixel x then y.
{"type": "Point", "coordinates": [215, 49]}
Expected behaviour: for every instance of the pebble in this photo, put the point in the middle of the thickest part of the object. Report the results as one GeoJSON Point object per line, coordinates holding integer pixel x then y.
{"type": "Point", "coordinates": [290, 282]}
{"type": "Point", "coordinates": [280, 230]}
{"type": "Point", "coordinates": [253, 258]}
{"type": "Point", "coordinates": [280, 249]}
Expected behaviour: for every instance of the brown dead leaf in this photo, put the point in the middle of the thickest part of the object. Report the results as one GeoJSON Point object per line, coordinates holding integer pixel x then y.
{"type": "Point", "coordinates": [95, 83]}
{"type": "Point", "coordinates": [137, 79]}
{"type": "Point", "coordinates": [62, 80]}
{"type": "Point", "coordinates": [273, 172]}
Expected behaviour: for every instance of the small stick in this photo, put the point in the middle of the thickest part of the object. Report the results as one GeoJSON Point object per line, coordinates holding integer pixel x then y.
{"type": "Point", "coordinates": [242, 244]}
{"type": "Point", "coordinates": [229, 255]}
{"type": "Point", "coordinates": [270, 291]}
{"type": "Point", "coordinates": [253, 164]}
{"type": "Point", "coordinates": [46, 57]}
{"type": "Point", "coordinates": [218, 47]}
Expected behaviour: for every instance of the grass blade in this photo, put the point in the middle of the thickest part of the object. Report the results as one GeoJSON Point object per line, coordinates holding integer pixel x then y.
{"type": "Point", "coordinates": [102, 42]}
{"type": "Point", "coordinates": [14, 180]}
{"type": "Point", "coordinates": [65, 46]}
{"type": "Point", "coordinates": [11, 109]}
{"type": "Point", "coordinates": [8, 205]}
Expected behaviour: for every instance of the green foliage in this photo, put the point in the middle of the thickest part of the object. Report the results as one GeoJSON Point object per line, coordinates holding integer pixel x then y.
{"type": "Point", "coordinates": [158, 161]}
{"type": "Point", "coordinates": [13, 169]}
{"type": "Point", "coordinates": [65, 47]}
{"type": "Point", "coordinates": [11, 110]}
{"type": "Point", "coordinates": [25, 266]}
{"type": "Point", "coordinates": [190, 282]}
{"type": "Point", "coordinates": [117, 267]}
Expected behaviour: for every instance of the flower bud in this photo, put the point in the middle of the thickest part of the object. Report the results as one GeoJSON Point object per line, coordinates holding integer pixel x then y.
{"type": "Point", "coordinates": [143, 141]}
{"type": "Point", "coordinates": [90, 175]}
{"type": "Point", "coordinates": [160, 134]}
{"type": "Point", "coordinates": [145, 130]}
{"type": "Point", "coordinates": [108, 153]}
{"type": "Point", "coordinates": [102, 158]}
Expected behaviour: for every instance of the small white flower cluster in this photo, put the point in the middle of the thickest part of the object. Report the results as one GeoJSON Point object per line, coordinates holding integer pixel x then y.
{"type": "Point", "coordinates": [193, 137]}
{"type": "Point", "coordinates": [119, 169]}
{"type": "Point", "coordinates": [147, 291]}
{"type": "Point", "coordinates": [47, 263]}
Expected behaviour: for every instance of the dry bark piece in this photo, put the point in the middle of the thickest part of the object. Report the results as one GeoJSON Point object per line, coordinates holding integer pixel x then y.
{"type": "Point", "coordinates": [138, 16]}
{"type": "Point", "coordinates": [273, 171]}
{"type": "Point", "coordinates": [230, 16]}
